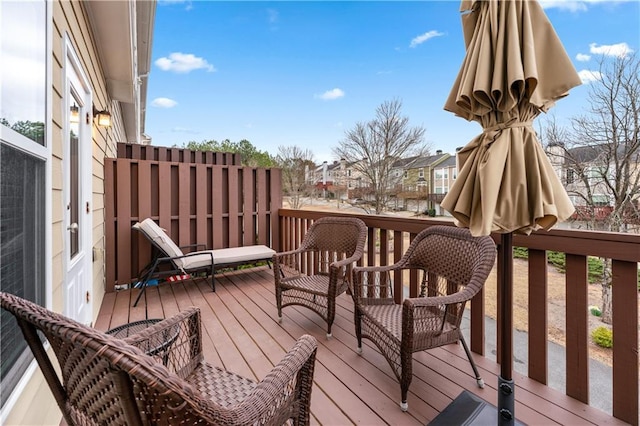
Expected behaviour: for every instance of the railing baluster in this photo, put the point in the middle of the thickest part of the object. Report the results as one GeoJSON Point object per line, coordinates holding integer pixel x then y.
{"type": "Point", "coordinates": [577, 328]}
{"type": "Point", "coordinates": [538, 327]}
{"type": "Point", "coordinates": [625, 340]}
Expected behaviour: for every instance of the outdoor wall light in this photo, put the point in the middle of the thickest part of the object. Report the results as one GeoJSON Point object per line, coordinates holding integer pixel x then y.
{"type": "Point", "coordinates": [74, 114]}
{"type": "Point", "coordinates": [102, 118]}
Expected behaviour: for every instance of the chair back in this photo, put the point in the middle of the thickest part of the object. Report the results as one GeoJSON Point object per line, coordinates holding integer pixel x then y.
{"type": "Point", "coordinates": [344, 235]}
{"type": "Point", "coordinates": [159, 238]}
{"type": "Point", "coordinates": [104, 380]}
{"type": "Point", "coordinates": [453, 257]}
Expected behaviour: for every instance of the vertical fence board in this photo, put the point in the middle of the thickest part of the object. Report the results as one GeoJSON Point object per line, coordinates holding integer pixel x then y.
{"type": "Point", "coordinates": [184, 204]}
{"type": "Point", "coordinates": [164, 196]}
{"type": "Point", "coordinates": [123, 227]}
{"type": "Point", "coordinates": [216, 200]}
{"type": "Point", "coordinates": [144, 211]}
{"type": "Point", "coordinates": [234, 207]}
{"type": "Point", "coordinates": [201, 198]}
{"type": "Point", "coordinates": [274, 202]}
{"type": "Point", "coordinates": [248, 207]}
{"type": "Point", "coordinates": [262, 210]}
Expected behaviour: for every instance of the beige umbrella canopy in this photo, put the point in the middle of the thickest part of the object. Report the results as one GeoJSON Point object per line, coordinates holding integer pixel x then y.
{"type": "Point", "coordinates": [515, 67]}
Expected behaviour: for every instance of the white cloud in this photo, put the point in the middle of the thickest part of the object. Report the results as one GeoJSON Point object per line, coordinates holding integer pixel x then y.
{"type": "Point", "coordinates": [571, 6]}
{"type": "Point", "coordinates": [575, 5]}
{"type": "Point", "coordinates": [183, 63]}
{"type": "Point", "coordinates": [272, 16]}
{"type": "Point", "coordinates": [188, 4]}
{"type": "Point", "coordinates": [163, 103]}
{"type": "Point", "coordinates": [583, 57]}
{"type": "Point", "coordinates": [331, 95]}
{"type": "Point", "coordinates": [424, 37]}
{"type": "Point", "coordinates": [184, 130]}
{"type": "Point", "coordinates": [620, 50]}
{"type": "Point", "coordinates": [589, 76]}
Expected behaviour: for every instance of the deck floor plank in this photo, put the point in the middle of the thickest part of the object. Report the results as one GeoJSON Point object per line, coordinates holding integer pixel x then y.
{"type": "Point", "coordinates": [241, 333]}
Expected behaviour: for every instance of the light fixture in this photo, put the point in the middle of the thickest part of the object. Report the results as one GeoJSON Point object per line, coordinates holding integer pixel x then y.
{"type": "Point", "coordinates": [102, 118]}
{"type": "Point", "coordinates": [74, 114]}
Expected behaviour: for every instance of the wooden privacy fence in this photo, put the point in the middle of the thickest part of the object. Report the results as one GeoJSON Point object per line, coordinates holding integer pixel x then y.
{"type": "Point", "coordinates": [196, 203]}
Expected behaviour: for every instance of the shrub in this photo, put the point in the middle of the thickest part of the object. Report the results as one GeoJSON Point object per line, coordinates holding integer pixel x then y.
{"type": "Point", "coordinates": [602, 337]}
{"type": "Point", "coordinates": [595, 311]}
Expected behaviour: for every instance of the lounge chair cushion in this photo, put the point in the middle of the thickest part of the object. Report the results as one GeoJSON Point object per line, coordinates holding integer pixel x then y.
{"type": "Point", "coordinates": [228, 256]}
{"type": "Point", "coordinates": [158, 236]}
{"type": "Point", "coordinates": [244, 254]}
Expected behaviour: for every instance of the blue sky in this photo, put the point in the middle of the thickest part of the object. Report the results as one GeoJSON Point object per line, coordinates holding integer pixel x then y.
{"type": "Point", "coordinates": [302, 73]}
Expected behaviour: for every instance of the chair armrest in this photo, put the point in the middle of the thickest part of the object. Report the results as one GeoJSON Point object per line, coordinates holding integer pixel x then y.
{"type": "Point", "coordinates": [286, 264]}
{"type": "Point", "coordinates": [432, 314]}
{"type": "Point", "coordinates": [289, 383]}
{"type": "Point", "coordinates": [180, 340]}
{"type": "Point", "coordinates": [372, 285]}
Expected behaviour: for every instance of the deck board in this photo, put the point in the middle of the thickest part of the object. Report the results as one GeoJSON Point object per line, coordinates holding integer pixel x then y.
{"type": "Point", "coordinates": [241, 333]}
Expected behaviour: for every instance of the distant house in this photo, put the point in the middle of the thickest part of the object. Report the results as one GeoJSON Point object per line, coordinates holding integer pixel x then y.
{"type": "Point", "coordinates": [73, 85]}
{"type": "Point", "coordinates": [585, 171]}
{"type": "Point", "coordinates": [418, 173]}
{"type": "Point", "coordinates": [444, 175]}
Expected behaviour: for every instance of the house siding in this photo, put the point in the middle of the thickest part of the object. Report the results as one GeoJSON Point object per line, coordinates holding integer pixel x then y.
{"type": "Point", "coordinates": [69, 18]}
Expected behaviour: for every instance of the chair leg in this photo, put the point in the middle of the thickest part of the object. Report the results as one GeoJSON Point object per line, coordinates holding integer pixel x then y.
{"type": "Point", "coordinates": [142, 290]}
{"type": "Point", "coordinates": [358, 323]}
{"type": "Point", "coordinates": [406, 375]}
{"type": "Point", "coordinates": [479, 379]}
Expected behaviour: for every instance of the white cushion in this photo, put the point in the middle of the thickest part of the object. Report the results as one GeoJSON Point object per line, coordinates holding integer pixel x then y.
{"type": "Point", "coordinates": [161, 239]}
{"type": "Point", "coordinates": [242, 254]}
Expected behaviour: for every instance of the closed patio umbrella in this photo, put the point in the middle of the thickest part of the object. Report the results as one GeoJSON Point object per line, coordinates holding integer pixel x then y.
{"type": "Point", "coordinates": [515, 68]}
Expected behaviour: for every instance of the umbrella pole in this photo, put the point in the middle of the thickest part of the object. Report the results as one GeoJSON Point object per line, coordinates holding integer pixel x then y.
{"type": "Point", "coordinates": [506, 387]}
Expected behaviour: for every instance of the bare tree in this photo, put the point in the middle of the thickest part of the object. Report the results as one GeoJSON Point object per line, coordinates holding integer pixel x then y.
{"type": "Point", "coordinates": [600, 154]}
{"type": "Point", "coordinates": [374, 146]}
{"type": "Point", "coordinates": [294, 161]}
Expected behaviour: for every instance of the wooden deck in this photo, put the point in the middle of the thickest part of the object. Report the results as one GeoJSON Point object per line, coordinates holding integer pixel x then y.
{"type": "Point", "coordinates": [242, 334]}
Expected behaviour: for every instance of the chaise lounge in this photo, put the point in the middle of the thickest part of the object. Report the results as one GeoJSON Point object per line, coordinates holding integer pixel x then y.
{"type": "Point", "coordinates": [175, 261]}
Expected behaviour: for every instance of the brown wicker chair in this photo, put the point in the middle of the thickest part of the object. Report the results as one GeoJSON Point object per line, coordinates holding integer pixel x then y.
{"type": "Point", "coordinates": [454, 266]}
{"type": "Point", "coordinates": [108, 381]}
{"type": "Point", "coordinates": [320, 269]}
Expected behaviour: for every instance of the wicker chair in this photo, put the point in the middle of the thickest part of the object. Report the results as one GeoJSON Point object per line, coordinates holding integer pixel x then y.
{"type": "Point", "coordinates": [108, 381]}
{"type": "Point", "coordinates": [453, 266]}
{"type": "Point", "coordinates": [320, 269]}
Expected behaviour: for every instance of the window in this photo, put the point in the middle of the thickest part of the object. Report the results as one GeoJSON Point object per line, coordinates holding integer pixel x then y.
{"type": "Point", "coordinates": [420, 173]}
{"type": "Point", "coordinates": [442, 174]}
{"type": "Point", "coordinates": [406, 174]}
{"type": "Point", "coordinates": [570, 176]}
{"type": "Point", "coordinates": [23, 158]}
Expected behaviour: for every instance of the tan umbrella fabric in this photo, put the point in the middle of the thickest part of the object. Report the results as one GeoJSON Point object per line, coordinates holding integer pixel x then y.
{"type": "Point", "coordinates": [515, 67]}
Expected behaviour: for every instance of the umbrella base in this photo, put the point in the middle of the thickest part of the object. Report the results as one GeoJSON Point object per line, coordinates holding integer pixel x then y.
{"type": "Point", "coordinates": [467, 409]}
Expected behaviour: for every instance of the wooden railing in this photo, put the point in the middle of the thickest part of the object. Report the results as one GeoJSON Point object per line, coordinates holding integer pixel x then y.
{"type": "Point", "coordinates": [622, 249]}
